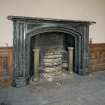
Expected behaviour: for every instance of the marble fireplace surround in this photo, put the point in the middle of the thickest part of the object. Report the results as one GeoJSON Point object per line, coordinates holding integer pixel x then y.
{"type": "Point", "coordinates": [27, 27]}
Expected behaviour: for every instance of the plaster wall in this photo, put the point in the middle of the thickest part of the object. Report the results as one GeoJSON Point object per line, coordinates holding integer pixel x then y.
{"type": "Point", "coordinates": [90, 10]}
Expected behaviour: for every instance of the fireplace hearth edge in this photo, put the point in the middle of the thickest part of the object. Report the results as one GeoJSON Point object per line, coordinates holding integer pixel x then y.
{"type": "Point", "coordinates": [24, 28]}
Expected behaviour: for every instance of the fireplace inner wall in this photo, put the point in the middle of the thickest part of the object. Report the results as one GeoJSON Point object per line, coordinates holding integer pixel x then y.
{"type": "Point", "coordinates": [26, 28]}
{"type": "Point", "coordinates": [49, 40]}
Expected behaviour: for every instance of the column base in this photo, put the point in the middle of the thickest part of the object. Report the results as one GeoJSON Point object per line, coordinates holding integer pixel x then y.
{"type": "Point", "coordinates": [84, 71]}
{"type": "Point", "coordinates": [71, 72]}
{"type": "Point", "coordinates": [20, 82]}
{"type": "Point", "coordinates": [35, 79]}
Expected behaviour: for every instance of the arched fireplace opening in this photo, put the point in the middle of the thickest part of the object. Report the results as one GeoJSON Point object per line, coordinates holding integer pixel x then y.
{"type": "Point", "coordinates": [53, 51]}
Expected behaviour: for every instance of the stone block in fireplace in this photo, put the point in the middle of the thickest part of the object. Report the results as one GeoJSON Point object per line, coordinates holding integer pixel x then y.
{"type": "Point", "coordinates": [52, 38]}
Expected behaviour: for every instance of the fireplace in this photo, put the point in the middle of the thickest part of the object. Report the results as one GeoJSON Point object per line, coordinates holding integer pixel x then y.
{"type": "Point", "coordinates": [51, 38]}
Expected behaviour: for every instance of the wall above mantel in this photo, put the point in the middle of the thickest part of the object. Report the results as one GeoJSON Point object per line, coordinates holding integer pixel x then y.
{"type": "Point", "coordinates": [90, 10]}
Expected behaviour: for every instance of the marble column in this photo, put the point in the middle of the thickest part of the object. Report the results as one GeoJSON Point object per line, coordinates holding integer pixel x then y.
{"type": "Point", "coordinates": [70, 59]}
{"type": "Point", "coordinates": [36, 65]}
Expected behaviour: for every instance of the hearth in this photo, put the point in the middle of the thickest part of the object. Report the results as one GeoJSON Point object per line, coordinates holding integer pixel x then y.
{"type": "Point", "coordinates": [48, 47]}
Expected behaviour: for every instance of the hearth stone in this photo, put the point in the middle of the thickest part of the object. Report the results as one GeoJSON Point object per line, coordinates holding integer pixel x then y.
{"type": "Point", "coordinates": [25, 28]}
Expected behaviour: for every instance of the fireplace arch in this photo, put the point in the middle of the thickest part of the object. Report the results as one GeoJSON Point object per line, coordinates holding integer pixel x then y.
{"type": "Point", "coordinates": [46, 29]}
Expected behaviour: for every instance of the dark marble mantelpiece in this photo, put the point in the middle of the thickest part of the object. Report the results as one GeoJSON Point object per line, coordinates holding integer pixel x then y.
{"type": "Point", "coordinates": [27, 27]}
